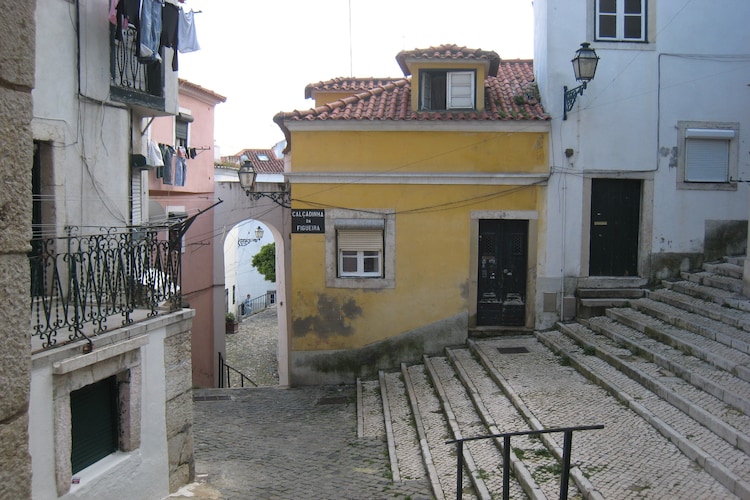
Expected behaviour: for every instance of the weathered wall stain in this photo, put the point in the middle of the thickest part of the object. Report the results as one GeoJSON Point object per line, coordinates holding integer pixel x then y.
{"type": "Point", "coordinates": [333, 319]}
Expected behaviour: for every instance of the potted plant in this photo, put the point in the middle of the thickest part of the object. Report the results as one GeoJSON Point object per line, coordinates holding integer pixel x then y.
{"type": "Point", "coordinates": [231, 324]}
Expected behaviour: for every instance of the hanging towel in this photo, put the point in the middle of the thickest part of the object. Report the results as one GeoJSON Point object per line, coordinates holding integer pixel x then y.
{"type": "Point", "coordinates": [187, 38]}
{"type": "Point", "coordinates": [154, 158]}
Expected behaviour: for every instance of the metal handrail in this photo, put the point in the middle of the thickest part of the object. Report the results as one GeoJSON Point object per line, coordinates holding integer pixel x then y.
{"type": "Point", "coordinates": [224, 375]}
{"type": "Point", "coordinates": [567, 446]}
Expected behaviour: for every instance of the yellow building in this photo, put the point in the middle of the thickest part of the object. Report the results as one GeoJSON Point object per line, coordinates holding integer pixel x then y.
{"type": "Point", "coordinates": [417, 209]}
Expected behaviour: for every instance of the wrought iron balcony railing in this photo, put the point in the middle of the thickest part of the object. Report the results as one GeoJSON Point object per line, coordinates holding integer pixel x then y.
{"type": "Point", "coordinates": [78, 283]}
{"type": "Point", "coordinates": [133, 81]}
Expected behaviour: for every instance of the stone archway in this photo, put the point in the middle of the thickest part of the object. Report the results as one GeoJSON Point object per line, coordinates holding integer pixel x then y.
{"type": "Point", "coordinates": [236, 208]}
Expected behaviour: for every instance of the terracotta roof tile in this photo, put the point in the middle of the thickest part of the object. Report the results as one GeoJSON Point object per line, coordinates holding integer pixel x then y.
{"type": "Point", "coordinates": [448, 52]}
{"type": "Point", "coordinates": [264, 161]}
{"type": "Point", "coordinates": [353, 85]}
{"type": "Point", "coordinates": [509, 96]}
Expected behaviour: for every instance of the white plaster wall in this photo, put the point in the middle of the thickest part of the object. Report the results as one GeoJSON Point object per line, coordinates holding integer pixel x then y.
{"type": "Point", "coordinates": [628, 114]}
{"type": "Point", "coordinates": [249, 280]}
{"type": "Point", "coordinates": [142, 473]}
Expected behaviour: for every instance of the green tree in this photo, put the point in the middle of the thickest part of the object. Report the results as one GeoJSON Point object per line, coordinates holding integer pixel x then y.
{"type": "Point", "coordinates": [265, 262]}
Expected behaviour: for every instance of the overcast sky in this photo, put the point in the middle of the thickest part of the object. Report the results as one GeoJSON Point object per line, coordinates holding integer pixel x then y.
{"type": "Point", "coordinates": [260, 54]}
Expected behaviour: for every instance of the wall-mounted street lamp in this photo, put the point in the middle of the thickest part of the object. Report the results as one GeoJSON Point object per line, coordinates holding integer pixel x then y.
{"type": "Point", "coordinates": [246, 241]}
{"type": "Point", "coordinates": [247, 176]}
{"type": "Point", "coordinates": [584, 68]}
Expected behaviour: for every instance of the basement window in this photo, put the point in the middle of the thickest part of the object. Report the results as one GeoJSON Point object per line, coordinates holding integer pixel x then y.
{"type": "Point", "coordinates": [94, 423]}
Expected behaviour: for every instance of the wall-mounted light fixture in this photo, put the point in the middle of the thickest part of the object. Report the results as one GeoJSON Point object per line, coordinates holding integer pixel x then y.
{"type": "Point", "coordinates": [247, 175]}
{"type": "Point", "coordinates": [584, 68]}
{"type": "Point", "coordinates": [246, 241]}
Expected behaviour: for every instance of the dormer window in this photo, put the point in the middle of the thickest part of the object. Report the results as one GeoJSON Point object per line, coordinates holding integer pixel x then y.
{"type": "Point", "coordinates": [262, 157]}
{"type": "Point", "coordinates": [441, 90]}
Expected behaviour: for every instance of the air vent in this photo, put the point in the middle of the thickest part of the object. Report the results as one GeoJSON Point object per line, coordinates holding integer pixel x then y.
{"type": "Point", "coordinates": [512, 350]}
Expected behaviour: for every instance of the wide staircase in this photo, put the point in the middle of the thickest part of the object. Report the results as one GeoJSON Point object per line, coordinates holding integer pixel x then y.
{"type": "Point", "coordinates": [666, 372]}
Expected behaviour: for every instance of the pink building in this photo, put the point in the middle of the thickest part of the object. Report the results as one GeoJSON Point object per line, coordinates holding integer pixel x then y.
{"type": "Point", "coordinates": [184, 187]}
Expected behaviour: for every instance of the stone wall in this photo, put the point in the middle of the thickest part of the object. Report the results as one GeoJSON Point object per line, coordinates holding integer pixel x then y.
{"type": "Point", "coordinates": [16, 157]}
{"type": "Point", "coordinates": [179, 404]}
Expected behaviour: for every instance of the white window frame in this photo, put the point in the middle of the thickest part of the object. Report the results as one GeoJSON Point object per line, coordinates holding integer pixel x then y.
{"type": "Point", "coordinates": [381, 221]}
{"type": "Point", "coordinates": [708, 155]}
{"type": "Point", "coordinates": [620, 16]}
{"type": "Point", "coordinates": [360, 244]}
{"type": "Point", "coordinates": [458, 94]}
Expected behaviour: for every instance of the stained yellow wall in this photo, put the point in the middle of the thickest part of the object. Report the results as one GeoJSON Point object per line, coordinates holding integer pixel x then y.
{"type": "Point", "coordinates": [393, 151]}
{"type": "Point", "coordinates": [432, 222]}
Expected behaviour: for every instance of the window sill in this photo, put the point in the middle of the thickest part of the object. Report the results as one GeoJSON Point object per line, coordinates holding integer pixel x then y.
{"type": "Point", "coordinates": [707, 186]}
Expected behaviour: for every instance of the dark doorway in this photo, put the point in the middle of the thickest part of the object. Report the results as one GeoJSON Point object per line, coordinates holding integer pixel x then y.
{"type": "Point", "coordinates": [501, 294]}
{"type": "Point", "coordinates": [615, 221]}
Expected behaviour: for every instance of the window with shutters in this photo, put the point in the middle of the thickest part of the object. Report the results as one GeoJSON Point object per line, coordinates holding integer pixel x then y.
{"type": "Point", "coordinates": [707, 155]}
{"type": "Point", "coordinates": [443, 90]}
{"type": "Point", "coordinates": [360, 248]}
{"type": "Point", "coordinates": [360, 253]}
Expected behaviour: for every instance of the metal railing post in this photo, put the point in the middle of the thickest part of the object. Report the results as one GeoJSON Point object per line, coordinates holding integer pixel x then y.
{"type": "Point", "coordinates": [460, 470]}
{"type": "Point", "coordinates": [567, 445]}
{"type": "Point", "coordinates": [506, 467]}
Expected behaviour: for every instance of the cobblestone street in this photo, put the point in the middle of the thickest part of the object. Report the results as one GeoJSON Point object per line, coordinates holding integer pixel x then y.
{"type": "Point", "coordinates": [254, 350]}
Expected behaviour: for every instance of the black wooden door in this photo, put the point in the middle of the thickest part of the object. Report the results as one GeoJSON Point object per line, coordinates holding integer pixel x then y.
{"type": "Point", "coordinates": [615, 216]}
{"type": "Point", "coordinates": [501, 297]}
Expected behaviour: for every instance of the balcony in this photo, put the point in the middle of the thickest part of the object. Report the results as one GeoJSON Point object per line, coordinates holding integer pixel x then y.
{"type": "Point", "coordinates": [82, 286]}
{"type": "Point", "coordinates": [132, 82]}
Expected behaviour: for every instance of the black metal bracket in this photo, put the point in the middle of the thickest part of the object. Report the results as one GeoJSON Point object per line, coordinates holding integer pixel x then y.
{"type": "Point", "coordinates": [281, 198]}
{"type": "Point", "coordinates": [570, 97]}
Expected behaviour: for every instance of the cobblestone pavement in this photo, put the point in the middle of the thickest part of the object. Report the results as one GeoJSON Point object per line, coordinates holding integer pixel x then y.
{"type": "Point", "coordinates": [254, 349]}
{"type": "Point", "coordinates": [277, 443]}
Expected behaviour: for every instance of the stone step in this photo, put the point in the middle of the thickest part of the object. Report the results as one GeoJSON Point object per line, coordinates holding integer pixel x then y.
{"type": "Point", "coordinates": [402, 439]}
{"type": "Point", "coordinates": [707, 409]}
{"type": "Point", "coordinates": [531, 462]}
{"type": "Point", "coordinates": [481, 458]}
{"type": "Point", "coordinates": [587, 351]}
{"type": "Point", "coordinates": [719, 296]}
{"type": "Point", "coordinates": [732, 317]}
{"type": "Point", "coordinates": [679, 332]}
{"type": "Point", "coordinates": [610, 293]}
{"type": "Point", "coordinates": [657, 357]}
{"type": "Point", "coordinates": [714, 280]}
{"type": "Point", "coordinates": [433, 432]}
{"type": "Point", "coordinates": [724, 269]}
{"type": "Point", "coordinates": [626, 456]}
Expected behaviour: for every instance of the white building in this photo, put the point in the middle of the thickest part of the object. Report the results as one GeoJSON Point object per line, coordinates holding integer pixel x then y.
{"type": "Point", "coordinates": [110, 406]}
{"type": "Point", "coordinates": [648, 168]}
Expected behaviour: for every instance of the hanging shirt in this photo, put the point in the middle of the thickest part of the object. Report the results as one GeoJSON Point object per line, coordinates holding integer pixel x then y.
{"type": "Point", "coordinates": [187, 38]}
{"type": "Point", "coordinates": [169, 31]}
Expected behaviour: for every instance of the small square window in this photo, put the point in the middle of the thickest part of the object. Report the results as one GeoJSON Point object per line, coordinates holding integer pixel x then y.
{"type": "Point", "coordinates": [360, 253]}
{"type": "Point", "coordinates": [621, 20]}
{"type": "Point", "coordinates": [708, 155]}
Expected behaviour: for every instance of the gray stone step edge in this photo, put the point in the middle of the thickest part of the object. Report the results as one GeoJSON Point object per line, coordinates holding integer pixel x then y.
{"type": "Point", "coordinates": [731, 317]}
{"type": "Point", "coordinates": [392, 455]}
{"type": "Point", "coordinates": [688, 375]}
{"type": "Point", "coordinates": [663, 335]}
{"type": "Point", "coordinates": [432, 474]}
{"type": "Point", "coordinates": [714, 280]}
{"type": "Point", "coordinates": [587, 490]}
{"type": "Point", "coordinates": [522, 474]}
{"type": "Point", "coordinates": [711, 465]}
{"type": "Point", "coordinates": [705, 324]}
{"type": "Point", "coordinates": [709, 294]}
{"type": "Point", "coordinates": [724, 269]}
{"type": "Point", "coordinates": [480, 486]}
{"type": "Point", "coordinates": [722, 429]}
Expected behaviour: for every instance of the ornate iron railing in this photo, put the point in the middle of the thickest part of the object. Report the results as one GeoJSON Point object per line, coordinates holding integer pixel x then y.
{"type": "Point", "coordinates": [132, 80]}
{"type": "Point", "coordinates": [79, 282]}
